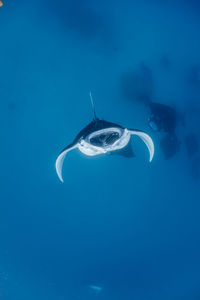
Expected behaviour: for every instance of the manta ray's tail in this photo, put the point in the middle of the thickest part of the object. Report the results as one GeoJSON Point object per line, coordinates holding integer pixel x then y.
{"type": "Point", "coordinates": [93, 107]}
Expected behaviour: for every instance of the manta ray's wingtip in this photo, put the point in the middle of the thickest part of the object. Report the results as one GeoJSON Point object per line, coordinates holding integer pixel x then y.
{"type": "Point", "coordinates": [151, 150]}
{"type": "Point", "coordinates": [60, 177]}
{"type": "Point", "coordinates": [60, 160]}
{"type": "Point", "coordinates": [58, 166]}
{"type": "Point", "coordinates": [151, 156]}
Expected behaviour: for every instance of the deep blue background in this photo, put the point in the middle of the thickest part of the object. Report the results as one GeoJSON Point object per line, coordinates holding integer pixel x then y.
{"type": "Point", "coordinates": [126, 225]}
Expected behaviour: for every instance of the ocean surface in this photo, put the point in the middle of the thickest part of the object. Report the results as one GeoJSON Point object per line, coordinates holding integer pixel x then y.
{"type": "Point", "coordinates": [118, 228]}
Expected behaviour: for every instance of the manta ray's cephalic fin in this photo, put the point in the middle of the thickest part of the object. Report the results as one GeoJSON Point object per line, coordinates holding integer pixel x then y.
{"type": "Point", "coordinates": [146, 139]}
{"type": "Point", "coordinates": [60, 160]}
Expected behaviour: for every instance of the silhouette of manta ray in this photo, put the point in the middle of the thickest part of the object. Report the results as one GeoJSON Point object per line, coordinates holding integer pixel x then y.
{"type": "Point", "coordinates": [101, 137]}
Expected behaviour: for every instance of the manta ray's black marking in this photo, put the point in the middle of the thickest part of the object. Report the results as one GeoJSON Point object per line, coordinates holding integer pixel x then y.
{"type": "Point", "coordinates": [101, 137]}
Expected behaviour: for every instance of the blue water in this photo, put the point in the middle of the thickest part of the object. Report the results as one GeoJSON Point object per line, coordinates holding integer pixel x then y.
{"type": "Point", "coordinates": [127, 226]}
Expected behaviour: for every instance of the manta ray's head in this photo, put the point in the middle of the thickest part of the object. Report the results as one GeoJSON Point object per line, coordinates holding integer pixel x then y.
{"type": "Point", "coordinates": [103, 140]}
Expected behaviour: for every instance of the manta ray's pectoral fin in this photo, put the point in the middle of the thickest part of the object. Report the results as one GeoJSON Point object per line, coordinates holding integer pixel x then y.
{"type": "Point", "coordinates": [60, 159]}
{"type": "Point", "coordinates": [146, 139]}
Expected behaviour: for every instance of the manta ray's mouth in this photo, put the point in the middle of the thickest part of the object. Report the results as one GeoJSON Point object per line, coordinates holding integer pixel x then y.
{"type": "Point", "coordinates": [104, 140]}
{"type": "Point", "coordinates": [104, 137]}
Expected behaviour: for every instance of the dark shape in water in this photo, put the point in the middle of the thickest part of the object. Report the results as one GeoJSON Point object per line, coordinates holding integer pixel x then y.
{"type": "Point", "coordinates": [81, 17]}
{"type": "Point", "coordinates": [170, 145]}
{"type": "Point", "coordinates": [192, 144]}
{"type": "Point", "coordinates": [138, 85]}
{"type": "Point", "coordinates": [163, 117]}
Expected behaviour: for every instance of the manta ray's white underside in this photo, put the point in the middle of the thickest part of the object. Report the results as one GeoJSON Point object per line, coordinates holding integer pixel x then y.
{"type": "Point", "coordinates": [89, 149]}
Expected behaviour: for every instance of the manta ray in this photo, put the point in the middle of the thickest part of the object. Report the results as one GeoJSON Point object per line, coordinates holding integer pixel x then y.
{"type": "Point", "coordinates": [102, 137]}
